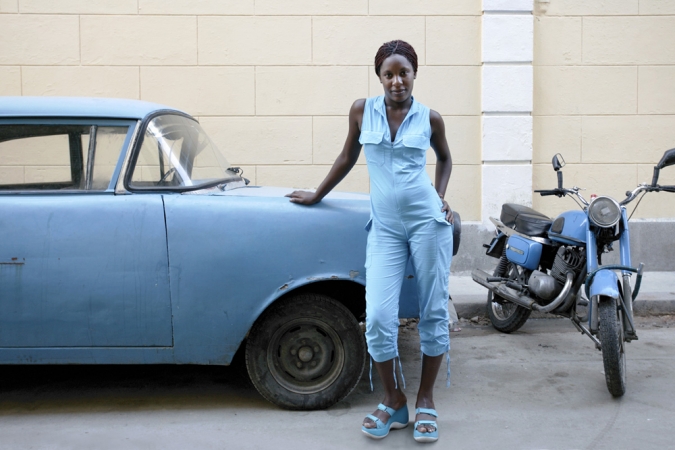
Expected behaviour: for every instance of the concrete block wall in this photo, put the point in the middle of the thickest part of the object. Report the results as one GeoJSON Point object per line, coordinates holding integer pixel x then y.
{"type": "Point", "coordinates": [271, 81]}
{"type": "Point", "coordinates": [604, 97]}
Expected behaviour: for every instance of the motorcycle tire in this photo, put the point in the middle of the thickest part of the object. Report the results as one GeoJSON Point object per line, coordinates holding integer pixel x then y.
{"type": "Point", "coordinates": [505, 316]}
{"type": "Point", "coordinates": [613, 347]}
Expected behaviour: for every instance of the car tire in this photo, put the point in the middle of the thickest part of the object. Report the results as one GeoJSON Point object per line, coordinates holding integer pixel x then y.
{"type": "Point", "coordinates": [305, 352]}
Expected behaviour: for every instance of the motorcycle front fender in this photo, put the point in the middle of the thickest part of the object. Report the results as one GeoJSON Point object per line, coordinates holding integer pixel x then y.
{"type": "Point", "coordinates": [605, 283]}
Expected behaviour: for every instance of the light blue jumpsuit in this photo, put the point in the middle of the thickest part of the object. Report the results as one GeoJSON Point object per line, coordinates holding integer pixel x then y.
{"type": "Point", "coordinates": [406, 221]}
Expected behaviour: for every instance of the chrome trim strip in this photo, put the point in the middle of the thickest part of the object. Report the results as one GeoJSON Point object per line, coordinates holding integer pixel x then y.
{"type": "Point", "coordinates": [119, 187]}
{"type": "Point", "coordinates": [509, 231]}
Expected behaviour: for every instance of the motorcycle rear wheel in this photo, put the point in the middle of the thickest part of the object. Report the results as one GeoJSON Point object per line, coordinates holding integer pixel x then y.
{"type": "Point", "coordinates": [613, 346]}
{"type": "Point", "coordinates": [505, 316]}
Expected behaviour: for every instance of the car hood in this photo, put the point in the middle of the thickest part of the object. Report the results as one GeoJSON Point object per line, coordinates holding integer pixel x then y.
{"type": "Point", "coordinates": [269, 191]}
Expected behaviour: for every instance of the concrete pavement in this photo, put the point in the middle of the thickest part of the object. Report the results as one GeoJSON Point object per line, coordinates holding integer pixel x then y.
{"type": "Point", "coordinates": [656, 296]}
{"type": "Point", "coordinates": [539, 388]}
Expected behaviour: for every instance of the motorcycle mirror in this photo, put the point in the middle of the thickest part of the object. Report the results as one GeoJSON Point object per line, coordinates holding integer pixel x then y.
{"type": "Point", "coordinates": [558, 162]}
{"type": "Point", "coordinates": [668, 159]}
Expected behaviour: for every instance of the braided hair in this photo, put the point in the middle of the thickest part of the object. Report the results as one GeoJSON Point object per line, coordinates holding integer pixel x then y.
{"type": "Point", "coordinates": [396, 47]}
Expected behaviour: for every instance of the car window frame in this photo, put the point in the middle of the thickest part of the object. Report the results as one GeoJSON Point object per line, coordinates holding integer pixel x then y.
{"type": "Point", "coordinates": [131, 125]}
{"type": "Point", "coordinates": [130, 163]}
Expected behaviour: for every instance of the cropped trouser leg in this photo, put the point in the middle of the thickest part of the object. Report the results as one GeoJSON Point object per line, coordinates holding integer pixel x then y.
{"type": "Point", "coordinates": [430, 246]}
{"type": "Point", "coordinates": [431, 252]}
{"type": "Point", "coordinates": [386, 260]}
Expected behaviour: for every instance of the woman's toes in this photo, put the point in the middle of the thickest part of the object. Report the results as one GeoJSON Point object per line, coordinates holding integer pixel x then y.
{"type": "Point", "coordinates": [426, 428]}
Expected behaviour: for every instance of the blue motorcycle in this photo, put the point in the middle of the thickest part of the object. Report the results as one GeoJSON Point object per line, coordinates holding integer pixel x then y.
{"type": "Point", "coordinates": [555, 266]}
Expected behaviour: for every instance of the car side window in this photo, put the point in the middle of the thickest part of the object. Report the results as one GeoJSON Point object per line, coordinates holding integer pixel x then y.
{"type": "Point", "coordinates": [59, 157]}
{"type": "Point", "coordinates": [109, 142]}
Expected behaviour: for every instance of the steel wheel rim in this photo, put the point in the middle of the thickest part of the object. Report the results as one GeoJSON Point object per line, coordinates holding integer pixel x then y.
{"type": "Point", "coordinates": [503, 311]}
{"type": "Point", "coordinates": [305, 356]}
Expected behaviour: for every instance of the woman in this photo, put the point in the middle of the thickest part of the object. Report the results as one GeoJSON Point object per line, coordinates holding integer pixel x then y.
{"type": "Point", "coordinates": [409, 218]}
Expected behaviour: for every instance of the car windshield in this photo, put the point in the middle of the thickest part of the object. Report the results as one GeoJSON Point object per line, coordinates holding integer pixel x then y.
{"type": "Point", "coordinates": [177, 154]}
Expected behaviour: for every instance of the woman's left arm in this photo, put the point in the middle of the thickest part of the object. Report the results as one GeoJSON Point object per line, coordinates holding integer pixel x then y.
{"type": "Point", "coordinates": [443, 160]}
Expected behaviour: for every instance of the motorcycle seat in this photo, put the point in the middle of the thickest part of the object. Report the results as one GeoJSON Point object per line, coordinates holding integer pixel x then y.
{"type": "Point", "coordinates": [525, 220]}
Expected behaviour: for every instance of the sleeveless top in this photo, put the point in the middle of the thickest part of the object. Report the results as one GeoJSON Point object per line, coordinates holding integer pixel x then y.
{"type": "Point", "coordinates": [401, 191]}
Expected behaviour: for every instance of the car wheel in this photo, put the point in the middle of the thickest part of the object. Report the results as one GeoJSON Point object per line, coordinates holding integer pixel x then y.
{"type": "Point", "coordinates": [305, 352]}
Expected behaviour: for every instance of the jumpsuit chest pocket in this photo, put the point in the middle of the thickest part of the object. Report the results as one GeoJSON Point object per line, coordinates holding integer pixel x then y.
{"type": "Point", "coordinates": [374, 155]}
{"type": "Point", "coordinates": [415, 153]}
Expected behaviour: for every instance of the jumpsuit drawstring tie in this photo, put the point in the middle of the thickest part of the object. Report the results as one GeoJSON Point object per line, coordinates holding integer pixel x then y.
{"type": "Point", "coordinates": [447, 379]}
{"type": "Point", "coordinates": [400, 368]}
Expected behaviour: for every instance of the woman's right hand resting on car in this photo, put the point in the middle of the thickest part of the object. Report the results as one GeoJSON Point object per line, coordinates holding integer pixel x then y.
{"type": "Point", "coordinates": [303, 197]}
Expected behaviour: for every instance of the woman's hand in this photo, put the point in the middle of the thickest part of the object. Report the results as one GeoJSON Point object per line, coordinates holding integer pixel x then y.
{"type": "Point", "coordinates": [448, 211]}
{"type": "Point", "coordinates": [303, 197]}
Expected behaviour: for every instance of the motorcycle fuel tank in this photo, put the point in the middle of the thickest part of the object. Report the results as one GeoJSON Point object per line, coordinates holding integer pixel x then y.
{"type": "Point", "coordinates": [524, 252]}
{"type": "Point", "coordinates": [569, 228]}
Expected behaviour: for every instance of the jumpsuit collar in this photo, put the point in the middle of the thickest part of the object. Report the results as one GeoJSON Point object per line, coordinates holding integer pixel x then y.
{"type": "Point", "coordinates": [381, 108]}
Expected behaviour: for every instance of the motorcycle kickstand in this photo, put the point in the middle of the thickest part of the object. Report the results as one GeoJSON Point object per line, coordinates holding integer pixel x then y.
{"type": "Point", "coordinates": [585, 331]}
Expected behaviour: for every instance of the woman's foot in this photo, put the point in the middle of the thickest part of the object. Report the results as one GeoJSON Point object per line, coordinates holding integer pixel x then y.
{"type": "Point", "coordinates": [394, 404]}
{"type": "Point", "coordinates": [425, 404]}
{"type": "Point", "coordinates": [426, 428]}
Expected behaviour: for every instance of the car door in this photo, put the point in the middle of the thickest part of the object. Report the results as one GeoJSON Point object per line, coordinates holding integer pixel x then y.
{"type": "Point", "coordinates": [79, 265]}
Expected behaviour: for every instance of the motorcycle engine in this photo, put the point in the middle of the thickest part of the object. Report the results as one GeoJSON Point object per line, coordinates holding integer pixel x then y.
{"type": "Point", "coordinates": [547, 287]}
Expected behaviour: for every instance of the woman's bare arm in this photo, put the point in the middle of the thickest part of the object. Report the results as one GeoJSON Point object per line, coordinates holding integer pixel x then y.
{"type": "Point", "coordinates": [443, 160]}
{"type": "Point", "coordinates": [343, 163]}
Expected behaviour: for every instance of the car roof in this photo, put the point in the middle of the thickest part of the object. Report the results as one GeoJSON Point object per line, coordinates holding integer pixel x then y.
{"type": "Point", "coordinates": [112, 108]}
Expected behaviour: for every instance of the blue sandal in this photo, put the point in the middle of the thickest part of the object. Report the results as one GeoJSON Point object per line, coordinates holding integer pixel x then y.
{"type": "Point", "coordinates": [397, 419]}
{"type": "Point", "coordinates": [427, 436]}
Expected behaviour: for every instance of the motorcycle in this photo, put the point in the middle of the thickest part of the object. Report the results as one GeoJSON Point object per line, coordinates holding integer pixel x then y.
{"type": "Point", "coordinates": [554, 266]}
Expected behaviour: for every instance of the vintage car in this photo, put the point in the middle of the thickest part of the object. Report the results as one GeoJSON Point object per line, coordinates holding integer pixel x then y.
{"type": "Point", "coordinates": [128, 239]}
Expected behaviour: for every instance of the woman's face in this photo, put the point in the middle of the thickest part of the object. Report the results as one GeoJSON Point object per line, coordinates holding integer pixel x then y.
{"type": "Point", "coordinates": [397, 78]}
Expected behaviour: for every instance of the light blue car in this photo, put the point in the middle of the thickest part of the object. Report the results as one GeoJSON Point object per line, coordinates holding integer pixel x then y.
{"type": "Point", "coordinates": [126, 238]}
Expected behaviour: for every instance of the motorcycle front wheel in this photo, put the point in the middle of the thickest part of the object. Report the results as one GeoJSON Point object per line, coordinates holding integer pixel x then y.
{"type": "Point", "coordinates": [613, 346]}
{"type": "Point", "coordinates": [505, 316]}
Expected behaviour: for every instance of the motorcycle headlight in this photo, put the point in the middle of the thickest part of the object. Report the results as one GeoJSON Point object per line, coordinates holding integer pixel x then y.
{"type": "Point", "coordinates": [605, 212]}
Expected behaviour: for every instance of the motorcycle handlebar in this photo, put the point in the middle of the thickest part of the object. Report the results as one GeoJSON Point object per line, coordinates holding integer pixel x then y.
{"type": "Point", "coordinates": [547, 192]}
{"type": "Point", "coordinates": [632, 195]}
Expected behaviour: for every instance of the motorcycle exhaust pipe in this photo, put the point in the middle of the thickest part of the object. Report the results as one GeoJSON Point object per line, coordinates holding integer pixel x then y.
{"type": "Point", "coordinates": [560, 298]}
{"type": "Point", "coordinates": [512, 295]}
{"type": "Point", "coordinates": [481, 277]}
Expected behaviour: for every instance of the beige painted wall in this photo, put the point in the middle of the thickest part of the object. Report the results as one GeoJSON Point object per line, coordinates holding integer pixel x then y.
{"type": "Point", "coordinates": [604, 97]}
{"type": "Point", "coordinates": [271, 81]}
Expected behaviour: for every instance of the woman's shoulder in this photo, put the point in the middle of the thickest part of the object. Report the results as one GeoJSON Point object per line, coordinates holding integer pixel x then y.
{"type": "Point", "coordinates": [436, 121]}
{"type": "Point", "coordinates": [366, 102]}
{"type": "Point", "coordinates": [359, 103]}
{"type": "Point", "coordinates": [357, 108]}
{"type": "Point", "coordinates": [434, 116]}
